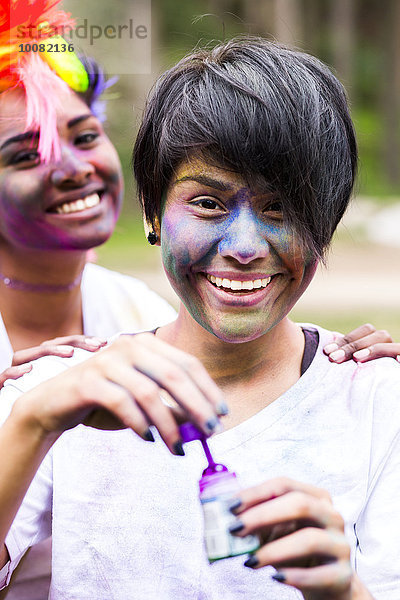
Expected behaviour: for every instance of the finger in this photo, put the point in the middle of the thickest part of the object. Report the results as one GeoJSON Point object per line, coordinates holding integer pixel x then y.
{"type": "Point", "coordinates": [14, 373]}
{"type": "Point", "coordinates": [320, 545]}
{"type": "Point", "coordinates": [378, 351]}
{"type": "Point", "coordinates": [344, 346]}
{"type": "Point", "coordinates": [23, 356]}
{"type": "Point", "coordinates": [335, 577]}
{"type": "Point", "coordinates": [169, 375]}
{"type": "Point", "coordinates": [192, 367]}
{"type": "Point", "coordinates": [85, 342]}
{"type": "Point", "coordinates": [180, 415]}
{"type": "Point", "coordinates": [273, 488]}
{"type": "Point", "coordinates": [343, 340]}
{"type": "Point", "coordinates": [145, 394]}
{"type": "Point", "coordinates": [117, 402]}
{"type": "Point", "coordinates": [347, 350]}
{"type": "Point", "coordinates": [291, 507]}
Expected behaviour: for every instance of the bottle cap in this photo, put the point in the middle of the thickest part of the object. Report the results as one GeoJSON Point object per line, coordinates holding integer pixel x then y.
{"type": "Point", "coordinates": [215, 469]}
{"type": "Point", "coordinates": [190, 432]}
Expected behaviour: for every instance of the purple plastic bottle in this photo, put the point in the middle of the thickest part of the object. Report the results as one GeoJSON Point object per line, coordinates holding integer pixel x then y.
{"type": "Point", "coordinates": [218, 486]}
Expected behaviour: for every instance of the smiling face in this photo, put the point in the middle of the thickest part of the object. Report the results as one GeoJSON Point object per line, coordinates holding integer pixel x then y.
{"type": "Point", "coordinates": [228, 254]}
{"type": "Point", "coordinates": [71, 204]}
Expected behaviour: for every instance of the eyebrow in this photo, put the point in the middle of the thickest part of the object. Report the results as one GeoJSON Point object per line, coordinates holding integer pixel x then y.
{"type": "Point", "coordinates": [27, 135]}
{"type": "Point", "coordinates": [77, 120]}
{"type": "Point", "coordinates": [33, 135]}
{"type": "Point", "coordinates": [205, 180]}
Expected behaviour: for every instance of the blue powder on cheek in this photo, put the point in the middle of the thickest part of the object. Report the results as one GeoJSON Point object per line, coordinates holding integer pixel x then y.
{"type": "Point", "coordinates": [186, 242]}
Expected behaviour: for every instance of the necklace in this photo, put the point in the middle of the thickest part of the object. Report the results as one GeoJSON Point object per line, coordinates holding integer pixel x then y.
{"type": "Point", "coordinates": [17, 284]}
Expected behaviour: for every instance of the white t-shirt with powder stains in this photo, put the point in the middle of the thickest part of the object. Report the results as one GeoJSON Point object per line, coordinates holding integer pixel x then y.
{"type": "Point", "coordinates": [125, 515]}
{"type": "Point", "coordinates": [111, 302]}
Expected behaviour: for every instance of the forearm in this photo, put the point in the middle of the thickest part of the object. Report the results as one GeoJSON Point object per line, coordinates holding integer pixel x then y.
{"type": "Point", "coordinates": [23, 445]}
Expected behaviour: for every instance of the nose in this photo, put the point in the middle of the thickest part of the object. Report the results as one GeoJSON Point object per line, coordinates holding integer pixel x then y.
{"type": "Point", "coordinates": [71, 170]}
{"type": "Point", "coordinates": [243, 239]}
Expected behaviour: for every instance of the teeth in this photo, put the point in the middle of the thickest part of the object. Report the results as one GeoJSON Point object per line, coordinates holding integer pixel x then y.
{"type": "Point", "coordinates": [78, 205]}
{"type": "Point", "coordinates": [234, 284]}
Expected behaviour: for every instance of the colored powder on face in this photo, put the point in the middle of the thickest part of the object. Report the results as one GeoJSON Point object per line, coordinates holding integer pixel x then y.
{"type": "Point", "coordinates": [241, 235]}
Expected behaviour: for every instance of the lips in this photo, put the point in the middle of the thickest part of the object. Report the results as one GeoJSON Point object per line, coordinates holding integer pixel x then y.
{"type": "Point", "coordinates": [238, 285]}
{"type": "Point", "coordinates": [239, 299]}
{"type": "Point", "coordinates": [78, 205]}
{"type": "Point", "coordinates": [79, 201]}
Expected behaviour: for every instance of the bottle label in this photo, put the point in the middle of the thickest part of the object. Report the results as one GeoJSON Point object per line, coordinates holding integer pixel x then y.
{"type": "Point", "coordinates": [217, 520]}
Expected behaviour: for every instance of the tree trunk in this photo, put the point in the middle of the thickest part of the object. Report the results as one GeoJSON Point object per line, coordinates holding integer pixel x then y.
{"type": "Point", "coordinates": [288, 22]}
{"type": "Point", "coordinates": [260, 16]}
{"type": "Point", "coordinates": [343, 37]}
{"type": "Point", "coordinates": [391, 92]}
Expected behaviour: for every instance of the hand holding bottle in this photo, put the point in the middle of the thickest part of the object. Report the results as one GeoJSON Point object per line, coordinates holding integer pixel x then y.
{"type": "Point", "coordinates": [302, 536]}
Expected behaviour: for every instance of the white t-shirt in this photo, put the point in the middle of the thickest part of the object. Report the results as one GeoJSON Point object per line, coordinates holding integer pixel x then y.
{"type": "Point", "coordinates": [126, 517]}
{"type": "Point", "coordinates": [111, 302]}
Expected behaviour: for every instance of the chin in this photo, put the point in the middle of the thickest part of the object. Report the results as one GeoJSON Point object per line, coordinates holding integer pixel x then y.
{"type": "Point", "coordinates": [97, 241]}
{"type": "Point", "coordinates": [236, 332]}
{"type": "Point", "coordinates": [93, 237]}
{"type": "Point", "coordinates": [84, 243]}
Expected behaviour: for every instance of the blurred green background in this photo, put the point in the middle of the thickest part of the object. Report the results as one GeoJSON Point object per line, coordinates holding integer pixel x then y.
{"type": "Point", "coordinates": [359, 39]}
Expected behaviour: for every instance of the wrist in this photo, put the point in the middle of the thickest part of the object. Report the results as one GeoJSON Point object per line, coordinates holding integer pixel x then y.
{"type": "Point", "coordinates": [355, 590]}
{"type": "Point", "coordinates": [358, 589]}
{"type": "Point", "coordinates": [26, 417]}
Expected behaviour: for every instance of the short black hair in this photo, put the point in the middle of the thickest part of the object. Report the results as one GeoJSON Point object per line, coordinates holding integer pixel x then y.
{"type": "Point", "coordinates": [263, 110]}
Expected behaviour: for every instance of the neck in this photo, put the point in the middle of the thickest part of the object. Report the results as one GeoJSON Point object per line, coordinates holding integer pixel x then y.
{"type": "Point", "coordinates": [236, 363]}
{"type": "Point", "coordinates": [43, 298]}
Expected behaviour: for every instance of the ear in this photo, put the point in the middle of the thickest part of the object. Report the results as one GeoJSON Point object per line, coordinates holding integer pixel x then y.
{"type": "Point", "coordinates": [148, 227]}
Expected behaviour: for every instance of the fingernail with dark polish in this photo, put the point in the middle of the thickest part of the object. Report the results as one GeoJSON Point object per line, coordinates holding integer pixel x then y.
{"type": "Point", "coordinates": [148, 436]}
{"type": "Point", "coordinates": [178, 449]}
{"type": "Point", "coordinates": [234, 505]}
{"type": "Point", "coordinates": [222, 409]}
{"type": "Point", "coordinates": [279, 577]}
{"type": "Point", "coordinates": [251, 562]}
{"type": "Point", "coordinates": [236, 527]}
{"type": "Point", "coordinates": [211, 424]}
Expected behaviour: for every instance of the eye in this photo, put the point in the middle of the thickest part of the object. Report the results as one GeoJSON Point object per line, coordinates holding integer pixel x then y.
{"type": "Point", "coordinates": [26, 156]}
{"type": "Point", "coordinates": [86, 138]}
{"type": "Point", "coordinates": [208, 204]}
{"type": "Point", "coordinates": [275, 207]}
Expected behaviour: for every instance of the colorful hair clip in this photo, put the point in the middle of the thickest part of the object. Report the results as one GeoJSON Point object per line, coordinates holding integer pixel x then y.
{"type": "Point", "coordinates": [27, 32]}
